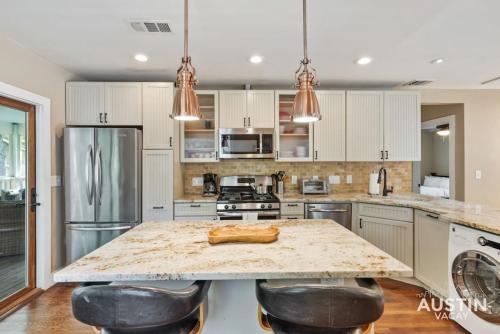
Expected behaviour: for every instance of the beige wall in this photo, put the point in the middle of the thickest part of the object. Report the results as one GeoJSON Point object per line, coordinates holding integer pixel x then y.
{"type": "Point", "coordinates": [22, 68]}
{"type": "Point", "coordinates": [481, 140]}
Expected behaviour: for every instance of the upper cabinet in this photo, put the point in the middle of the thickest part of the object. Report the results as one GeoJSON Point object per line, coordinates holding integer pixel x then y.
{"type": "Point", "coordinates": [329, 132]}
{"type": "Point", "coordinates": [123, 103]}
{"type": "Point", "coordinates": [364, 125]}
{"type": "Point", "coordinates": [383, 126]}
{"type": "Point", "coordinates": [294, 141]}
{"type": "Point", "coordinates": [199, 138]}
{"type": "Point", "coordinates": [84, 103]}
{"type": "Point", "coordinates": [105, 104]}
{"type": "Point", "coordinates": [158, 127]}
{"type": "Point", "coordinates": [246, 109]}
{"type": "Point", "coordinates": [402, 126]}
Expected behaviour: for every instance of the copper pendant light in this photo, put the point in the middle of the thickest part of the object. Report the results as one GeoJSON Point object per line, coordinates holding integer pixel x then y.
{"type": "Point", "coordinates": [305, 104]}
{"type": "Point", "coordinates": [186, 106]}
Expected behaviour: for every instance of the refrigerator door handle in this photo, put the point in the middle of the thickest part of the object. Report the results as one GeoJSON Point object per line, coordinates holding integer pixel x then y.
{"type": "Point", "coordinates": [98, 176]}
{"type": "Point", "coordinates": [90, 173]}
{"type": "Point", "coordinates": [116, 228]}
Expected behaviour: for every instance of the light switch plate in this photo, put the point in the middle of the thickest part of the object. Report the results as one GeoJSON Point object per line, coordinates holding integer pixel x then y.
{"type": "Point", "coordinates": [349, 179]}
{"type": "Point", "coordinates": [478, 174]}
{"type": "Point", "coordinates": [56, 181]}
{"type": "Point", "coordinates": [294, 179]}
{"type": "Point", "coordinates": [197, 181]}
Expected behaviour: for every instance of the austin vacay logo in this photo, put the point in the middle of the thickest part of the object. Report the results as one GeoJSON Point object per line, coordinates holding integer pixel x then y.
{"type": "Point", "coordinates": [451, 308]}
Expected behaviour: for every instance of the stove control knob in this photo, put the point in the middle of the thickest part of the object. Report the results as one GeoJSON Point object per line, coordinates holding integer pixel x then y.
{"type": "Point", "coordinates": [262, 206]}
{"type": "Point", "coordinates": [226, 206]}
{"type": "Point", "coordinates": [269, 206]}
{"type": "Point", "coordinates": [233, 206]}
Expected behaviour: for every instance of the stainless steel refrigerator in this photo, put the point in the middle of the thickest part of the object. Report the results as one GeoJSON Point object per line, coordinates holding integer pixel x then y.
{"type": "Point", "coordinates": [102, 178]}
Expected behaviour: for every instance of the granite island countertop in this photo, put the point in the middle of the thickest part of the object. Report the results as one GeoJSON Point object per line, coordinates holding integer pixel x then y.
{"type": "Point", "coordinates": [179, 250]}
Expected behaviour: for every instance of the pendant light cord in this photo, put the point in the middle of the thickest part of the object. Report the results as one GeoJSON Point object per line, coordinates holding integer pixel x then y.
{"type": "Point", "coordinates": [304, 22]}
{"type": "Point", "coordinates": [186, 29]}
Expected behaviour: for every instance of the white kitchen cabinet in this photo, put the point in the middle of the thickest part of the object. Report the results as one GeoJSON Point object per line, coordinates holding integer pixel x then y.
{"type": "Point", "coordinates": [195, 211]}
{"type": "Point", "coordinates": [158, 127]}
{"type": "Point", "coordinates": [392, 236]}
{"type": "Point", "coordinates": [233, 109]}
{"type": "Point", "coordinates": [364, 125]}
{"type": "Point", "coordinates": [293, 141]}
{"type": "Point", "coordinates": [329, 132]}
{"type": "Point", "coordinates": [246, 108]}
{"type": "Point", "coordinates": [402, 126]}
{"type": "Point", "coordinates": [431, 251]}
{"type": "Point", "coordinates": [85, 103]}
{"type": "Point", "coordinates": [199, 142]}
{"type": "Point", "coordinates": [260, 109]}
{"type": "Point", "coordinates": [157, 185]}
{"type": "Point", "coordinates": [123, 103]}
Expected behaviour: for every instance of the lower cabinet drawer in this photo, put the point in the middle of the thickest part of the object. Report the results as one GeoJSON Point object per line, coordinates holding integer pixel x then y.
{"type": "Point", "coordinates": [196, 218]}
{"type": "Point", "coordinates": [293, 217]}
{"type": "Point", "coordinates": [292, 209]}
{"type": "Point", "coordinates": [195, 209]}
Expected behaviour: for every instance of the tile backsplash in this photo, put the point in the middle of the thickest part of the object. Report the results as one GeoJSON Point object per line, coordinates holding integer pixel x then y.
{"type": "Point", "coordinates": [399, 173]}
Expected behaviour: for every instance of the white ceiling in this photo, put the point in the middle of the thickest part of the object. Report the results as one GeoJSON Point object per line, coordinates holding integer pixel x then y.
{"type": "Point", "coordinates": [92, 39]}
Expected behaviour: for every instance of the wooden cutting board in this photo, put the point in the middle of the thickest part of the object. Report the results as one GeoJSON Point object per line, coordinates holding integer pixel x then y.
{"type": "Point", "coordinates": [250, 234]}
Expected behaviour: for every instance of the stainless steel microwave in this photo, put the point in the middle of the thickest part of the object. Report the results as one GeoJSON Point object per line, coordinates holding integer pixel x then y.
{"type": "Point", "coordinates": [249, 143]}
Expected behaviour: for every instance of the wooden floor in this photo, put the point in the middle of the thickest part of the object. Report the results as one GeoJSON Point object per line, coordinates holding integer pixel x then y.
{"type": "Point", "coordinates": [12, 274]}
{"type": "Point", "coordinates": [51, 313]}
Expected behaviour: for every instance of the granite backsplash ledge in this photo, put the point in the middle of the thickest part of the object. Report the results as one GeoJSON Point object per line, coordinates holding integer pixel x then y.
{"type": "Point", "coordinates": [399, 173]}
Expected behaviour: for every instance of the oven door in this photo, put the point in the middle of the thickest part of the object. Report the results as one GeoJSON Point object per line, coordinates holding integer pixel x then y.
{"type": "Point", "coordinates": [247, 215]}
{"type": "Point", "coordinates": [246, 143]}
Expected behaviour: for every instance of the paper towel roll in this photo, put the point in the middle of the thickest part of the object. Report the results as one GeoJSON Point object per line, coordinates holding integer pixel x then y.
{"type": "Point", "coordinates": [374, 187]}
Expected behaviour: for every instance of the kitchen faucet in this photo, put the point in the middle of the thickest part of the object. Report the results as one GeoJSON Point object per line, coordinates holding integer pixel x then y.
{"type": "Point", "coordinates": [385, 191]}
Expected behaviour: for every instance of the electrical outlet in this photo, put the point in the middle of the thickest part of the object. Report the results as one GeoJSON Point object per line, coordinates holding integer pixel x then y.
{"type": "Point", "coordinates": [331, 179]}
{"type": "Point", "coordinates": [197, 181]}
{"type": "Point", "coordinates": [349, 179]}
{"type": "Point", "coordinates": [479, 174]}
{"type": "Point", "coordinates": [336, 179]}
{"type": "Point", "coordinates": [294, 179]}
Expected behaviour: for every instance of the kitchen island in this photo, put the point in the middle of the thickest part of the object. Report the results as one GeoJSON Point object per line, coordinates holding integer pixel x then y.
{"type": "Point", "coordinates": [179, 250]}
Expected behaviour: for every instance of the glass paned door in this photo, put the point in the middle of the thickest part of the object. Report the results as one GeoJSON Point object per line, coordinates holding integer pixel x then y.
{"type": "Point", "coordinates": [17, 179]}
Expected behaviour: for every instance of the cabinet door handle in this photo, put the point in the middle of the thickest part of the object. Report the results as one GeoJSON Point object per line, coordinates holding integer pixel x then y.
{"type": "Point", "coordinates": [249, 122]}
{"type": "Point", "coordinates": [216, 155]}
{"type": "Point", "coordinates": [292, 218]}
{"type": "Point", "coordinates": [277, 155]}
{"type": "Point", "coordinates": [157, 207]}
{"type": "Point", "coordinates": [100, 117]}
{"type": "Point", "coordinates": [360, 223]}
{"type": "Point", "coordinates": [106, 117]}
{"type": "Point", "coordinates": [195, 205]}
{"type": "Point", "coordinates": [315, 155]}
{"type": "Point", "coordinates": [244, 122]}
{"type": "Point", "coordinates": [432, 216]}
{"type": "Point", "coordinates": [170, 141]}
{"type": "Point", "coordinates": [382, 155]}
{"type": "Point", "coordinates": [386, 155]}
{"type": "Point", "coordinates": [292, 205]}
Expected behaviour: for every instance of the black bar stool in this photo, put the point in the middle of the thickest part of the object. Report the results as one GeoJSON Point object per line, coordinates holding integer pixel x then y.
{"type": "Point", "coordinates": [318, 308]}
{"type": "Point", "coordinates": [117, 309]}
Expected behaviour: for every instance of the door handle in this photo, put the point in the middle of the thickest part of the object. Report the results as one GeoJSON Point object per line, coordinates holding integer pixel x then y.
{"type": "Point", "coordinates": [382, 155]}
{"type": "Point", "coordinates": [277, 155]}
{"type": "Point", "coordinates": [195, 205]}
{"type": "Point", "coordinates": [106, 117]}
{"type": "Point", "coordinates": [315, 155]}
{"type": "Point", "coordinates": [292, 205]}
{"type": "Point", "coordinates": [244, 122]}
{"type": "Point", "coordinates": [386, 155]}
{"type": "Point", "coordinates": [249, 125]}
{"type": "Point", "coordinates": [432, 216]}
{"type": "Point", "coordinates": [360, 223]}
{"type": "Point", "coordinates": [327, 210]}
{"type": "Point", "coordinates": [157, 207]}
{"type": "Point", "coordinates": [34, 203]}
{"type": "Point", "coordinates": [98, 176]}
{"type": "Point", "coordinates": [90, 173]}
{"type": "Point", "coordinates": [116, 228]}
{"type": "Point", "coordinates": [100, 117]}
{"type": "Point", "coordinates": [170, 141]}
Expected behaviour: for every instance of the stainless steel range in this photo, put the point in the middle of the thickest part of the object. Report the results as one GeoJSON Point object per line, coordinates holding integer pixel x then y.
{"type": "Point", "coordinates": [247, 197]}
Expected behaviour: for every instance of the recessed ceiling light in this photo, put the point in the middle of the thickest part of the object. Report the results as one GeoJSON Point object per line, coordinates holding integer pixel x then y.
{"type": "Point", "coordinates": [256, 59]}
{"type": "Point", "coordinates": [141, 57]}
{"type": "Point", "coordinates": [437, 61]}
{"type": "Point", "coordinates": [364, 61]}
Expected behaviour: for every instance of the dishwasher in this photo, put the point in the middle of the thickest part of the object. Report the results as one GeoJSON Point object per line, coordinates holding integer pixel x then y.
{"type": "Point", "coordinates": [339, 212]}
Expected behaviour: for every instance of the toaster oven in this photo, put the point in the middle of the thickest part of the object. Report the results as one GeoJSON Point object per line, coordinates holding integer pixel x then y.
{"type": "Point", "coordinates": [313, 187]}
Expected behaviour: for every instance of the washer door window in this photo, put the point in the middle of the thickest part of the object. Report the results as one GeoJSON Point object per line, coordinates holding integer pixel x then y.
{"type": "Point", "coordinates": [476, 277]}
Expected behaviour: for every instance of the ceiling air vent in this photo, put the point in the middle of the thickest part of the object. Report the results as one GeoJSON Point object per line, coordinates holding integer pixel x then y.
{"type": "Point", "coordinates": [417, 83]}
{"type": "Point", "coordinates": [150, 26]}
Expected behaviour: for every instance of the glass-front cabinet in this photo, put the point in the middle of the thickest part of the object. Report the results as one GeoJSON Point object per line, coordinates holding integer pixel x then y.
{"type": "Point", "coordinates": [199, 138]}
{"type": "Point", "coordinates": [294, 141]}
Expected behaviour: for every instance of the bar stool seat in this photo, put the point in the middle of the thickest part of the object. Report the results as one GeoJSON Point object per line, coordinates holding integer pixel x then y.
{"type": "Point", "coordinates": [118, 309]}
{"type": "Point", "coordinates": [320, 309]}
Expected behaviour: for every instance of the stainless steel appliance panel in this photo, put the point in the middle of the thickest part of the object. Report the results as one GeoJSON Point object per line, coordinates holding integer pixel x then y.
{"type": "Point", "coordinates": [339, 212]}
{"type": "Point", "coordinates": [82, 239]}
{"type": "Point", "coordinates": [79, 189]}
{"type": "Point", "coordinates": [118, 175]}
